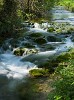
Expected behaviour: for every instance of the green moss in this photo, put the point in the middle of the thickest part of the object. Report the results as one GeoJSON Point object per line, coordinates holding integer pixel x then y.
{"type": "Point", "coordinates": [40, 41]}
{"type": "Point", "coordinates": [39, 72]}
{"type": "Point", "coordinates": [58, 30]}
{"type": "Point", "coordinates": [51, 29]}
{"type": "Point", "coordinates": [21, 51]}
{"type": "Point", "coordinates": [68, 4]}
{"type": "Point", "coordinates": [35, 35]}
{"type": "Point", "coordinates": [64, 83]}
{"type": "Point", "coordinates": [48, 47]}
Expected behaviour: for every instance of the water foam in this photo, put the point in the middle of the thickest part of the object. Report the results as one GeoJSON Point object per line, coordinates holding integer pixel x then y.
{"type": "Point", "coordinates": [12, 66]}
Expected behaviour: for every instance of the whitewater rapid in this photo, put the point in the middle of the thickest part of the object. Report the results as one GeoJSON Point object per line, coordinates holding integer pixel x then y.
{"type": "Point", "coordinates": [13, 67]}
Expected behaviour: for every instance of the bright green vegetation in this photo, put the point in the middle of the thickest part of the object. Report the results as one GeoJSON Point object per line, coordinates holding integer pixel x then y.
{"type": "Point", "coordinates": [64, 82]}
{"type": "Point", "coordinates": [68, 4]}
{"type": "Point", "coordinates": [39, 72]}
{"type": "Point", "coordinates": [58, 86]}
{"type": "Point", "coordinates": [51, 29]}
{"type": "Point", "coordinates": [15, 12]}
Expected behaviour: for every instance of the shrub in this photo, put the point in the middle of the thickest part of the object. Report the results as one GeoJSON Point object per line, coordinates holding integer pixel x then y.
{"type": "Point", "coordinates": [64, 84]}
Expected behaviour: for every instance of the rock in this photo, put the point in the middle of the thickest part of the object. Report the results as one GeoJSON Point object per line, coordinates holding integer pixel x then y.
{"type": "Point", "coordinates": [47, 65]}
{"type": "Point", "coordinates": [39, 58]}
{"type": "Point", "coordinates": [48, 47]}
{"type": "Point", "coordinates": [35, 35]}
{"type": "Point", "coordinates": [53, 39]}
{"type": "Point", "coordinates": [21, 51]}
{"type": "Point", "coordinates": [40, 41]}
{"type": "Point", "coordinates": [51, 29]}
{"type": "Point", "coordinates": [28, 45]}
{"type": "Point", "coordinates": [39, 72]}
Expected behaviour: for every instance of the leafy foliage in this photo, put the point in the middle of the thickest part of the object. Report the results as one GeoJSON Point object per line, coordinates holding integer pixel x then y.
{"type": "Point", "coordinates": [64, 85]}
{"type": "Point", "coordinates": [68, 4]}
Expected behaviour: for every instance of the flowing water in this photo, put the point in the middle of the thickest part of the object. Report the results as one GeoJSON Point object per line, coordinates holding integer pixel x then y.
{"type": "Point", "coordinates": [13, 69]}
{"type": "Point", "coordinates": [62, 15]}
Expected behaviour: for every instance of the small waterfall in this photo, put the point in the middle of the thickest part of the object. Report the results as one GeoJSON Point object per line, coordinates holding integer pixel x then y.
{"type": "Point", "coordinates": [37, 26]}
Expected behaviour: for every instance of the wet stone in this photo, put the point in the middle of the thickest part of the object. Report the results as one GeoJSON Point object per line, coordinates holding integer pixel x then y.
{"type": "Point", "coordinates": [40, 41]}
{"type": "Point", "coordinates": [25, 51]}
{"type": "Point", "coordinates": [53, 39]}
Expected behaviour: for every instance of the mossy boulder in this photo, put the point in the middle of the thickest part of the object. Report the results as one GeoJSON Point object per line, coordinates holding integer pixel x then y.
{"type": "Point", "coordinates": [47, 65]}
{"type": "Point", "coordinates": [53, 39]}
{"type": "Point", "coordinates": [39, 72]}
{"type": "Point", "coordinates": [59, 30]}
{"type": "Point", "coordinates": [21, 51]}
{"type": "Point", "coordinates": [28, 45]}
{"type": "Point", "coordinates": [64, 57]}
{"type": "Point", "coordinates": [40, 41]}
{"type": "Point", "coordinates": [35, 35]}
{"type": "Point", "coordinates": [51, 29]}
{"type": "Point", "coordinates": [18, 52]}
{"type": "Point", "coordinates": [48, 47]}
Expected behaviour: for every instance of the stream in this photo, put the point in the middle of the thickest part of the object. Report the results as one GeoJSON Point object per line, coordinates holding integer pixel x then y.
{"type": "Point", "coordinates": [14, 68]}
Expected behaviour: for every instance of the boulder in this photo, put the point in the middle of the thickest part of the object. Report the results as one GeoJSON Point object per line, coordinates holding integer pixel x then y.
{"type": "Point", "coordinates": [39, 72]}
{"type": "Point", "coordinates": [28, 45]}
{"type": "Point", "coordinates": [40, 41]}
{"type": "Point", "coordinates": [35, 35]}
{"type": "Point", "coordinates": [53, 39]}
{"type": "Point", "coordinates": [51, 29]}
{"type": "Point", "coordinates": [47, 47]}
{"type": "Point", "coordinates": [25, 51]}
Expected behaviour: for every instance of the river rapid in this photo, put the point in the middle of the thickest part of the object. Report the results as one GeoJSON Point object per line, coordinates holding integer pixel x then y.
{"type": "Point", "coordinates": [13, 69]}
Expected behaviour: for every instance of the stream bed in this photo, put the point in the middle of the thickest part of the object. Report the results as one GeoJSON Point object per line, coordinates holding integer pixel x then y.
{"type": "Point", "coordinates": [13, 68]}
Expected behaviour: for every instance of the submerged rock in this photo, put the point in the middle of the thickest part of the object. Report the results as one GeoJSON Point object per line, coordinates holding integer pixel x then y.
{"type": "Point", "coordinates": [53, 39]}
{"type": "Point", "coordinates": [23, 51]}
{"type": "Point", "coordinates": [40, 41]}
{"type": "Point", "coordinates": [35, 35]}
{"type": "Point", "coordinates": [48, 47]}
{"type": "Point", "coordinates": [28, 45]}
